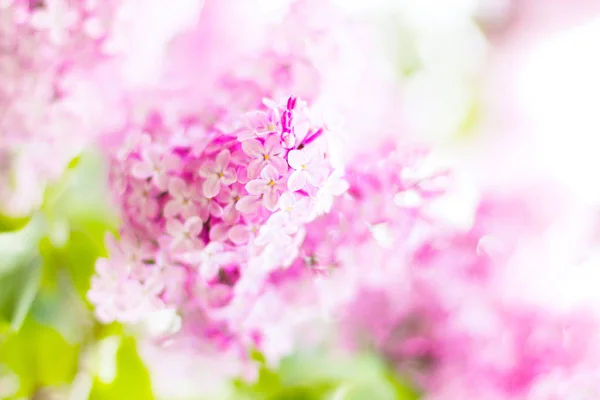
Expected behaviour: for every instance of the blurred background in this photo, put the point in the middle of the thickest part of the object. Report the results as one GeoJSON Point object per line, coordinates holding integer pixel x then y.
{"type": "Point", "coordinates": [510, 85]}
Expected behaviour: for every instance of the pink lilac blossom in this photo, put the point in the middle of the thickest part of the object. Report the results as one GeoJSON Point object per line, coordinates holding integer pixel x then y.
{"type": "Point", "coordinates": [236, 215]}
{"type": "Point", "coordinates": [218, 216]}
{"type": "Point", "coordinates": [57, 80]}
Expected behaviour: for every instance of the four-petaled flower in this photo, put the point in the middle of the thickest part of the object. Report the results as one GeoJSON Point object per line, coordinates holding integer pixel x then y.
{"type": "Point", "coordinates": [155, 166]}
{"type": "Point", "coordinates": [216, 174]}
{"type": "Point", "coordinates": [269, 186]}
{"type": "Point", "coordinates": [309, 167]}
{"type": "Point", "coordinates": [269, 153]}
{"type": "Point", "coordinates": [260, 124]}
{"type": "Point", "coordinates": [185, 236]}
{"type": "Point", "coordinates": [210, 259]}
{"type": "Point", "coordinates": [183, 201]}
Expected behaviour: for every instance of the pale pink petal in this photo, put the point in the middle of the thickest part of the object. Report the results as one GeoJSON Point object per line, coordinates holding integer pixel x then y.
{"type": "Point", "coordinates": [297, 159]}
{"type": "Point", "coordinates": [248, 204]}
{"type": "Point", "coordinates": [172, 208]}
{"type": "Point", "coordinates": [150, 208]}
{"type": "Point", "coordinates": [174, 227]}
{"type": "Point", "coordinates": [316, 177]}
{"type": "Point", "coordinates": [218, 232]}
{"type": "Point", "coordinates": [171, 162]}
{"type": "Point", "coordinates": [273, 145]}
{"type": "Point", "coordinates": [208, 169]}
{"type": "Point", "coordinates": [256, 186]}
{"type": "Point", "coordinates": [297, 180]}
{"type": "Point", "coordinates": [215, 209]}
{"type": "Point", "coordinates": [230, 214]}
{"type": "Point", "coordinates": [270, 199]}
{"type": "Point", "coordinates": [222, 160]}
{"type": "Point", "coordinates": [239, 234]}
{"type": "Point", "coordinates": [211, 187]}
{"type": "Point", "coordinates": [224, 195]}
{"type": "Point", "coordinates": [161, 181]}
{"type": "Point", "coordinates": [255, 167]}
{"type": "Point", "coordinates": [287, 200]}
{"type": "Point", "coordinates": [242, 175]}
{"type": "Point", "coordinates": [239, 158]}
{"type": "Point", "coordinates": [229, 177]}
{"type": "Point", "coordinates": [142, 170]}
{"type": "Point", "coordinates": [279, 163]}
{"type": "Point", "coordinates": [194, 226]}
{"type": "Point", "coordinates": [253, 148]}
{"type": "Point", "coordinates": [209, 269]}
{"type": "Point", "coordinates": [269, 173]}
{"type": "Point", "coordinates": [177, 187]}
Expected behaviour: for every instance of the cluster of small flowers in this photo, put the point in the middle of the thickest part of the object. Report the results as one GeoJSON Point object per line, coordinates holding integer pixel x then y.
{"type": "Point", "coordinates": [447, 318]}
{"type": "Point", "coordinates": [51, 55]}
{"type": "Point", "coordinates": [204, 214]}
{"type": "Point", "coordinates": [41, 44]}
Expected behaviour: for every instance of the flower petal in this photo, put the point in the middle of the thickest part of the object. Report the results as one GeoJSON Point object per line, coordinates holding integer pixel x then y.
{"type": "Point", "coordinates": [270, 199]}
{"type": "Point", "coordinates": [142, 170]}
{"type": "Point", "coordinates": [269, 173]}
{"type": "Point", "coordinates": [297, 180]}
{"type": "Point", "coordinates": [253, 148]}
{"type": "Point", "coordinates": [219, 232]}
{"type": "Point", "coordinates": [177, 187]}
{"type": "Point", "coordinates": [239, 234]}
{"type": "Point", "coordinates": [222, 160]}
{"type": "Point", "coordinates": [256, 186]}
{"type": "Point", "coordinates": [279, 163]}
{"type": "Point", "coordinates": [229, 177]}
{"type": "Point", "coordinates": [174, 227]}
{"type": "Point", "coordinates": [297, 158]}
{"type": "Point", "coordinates": [273, 145]}
{"type": "Point", "coordinates": [208, 169]}
{"type": "Point", "coordinates": [248, 204]}
{"type": "Point", "coordinates": [211, 187]}
{"type": "Point", "coordinates": [172, 208]}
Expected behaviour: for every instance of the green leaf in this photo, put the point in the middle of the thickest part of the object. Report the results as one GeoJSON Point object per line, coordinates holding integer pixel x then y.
{"type": "Point", "coordinates": [132, 381]}
{"type": "Point", "coordinates": [319, 376]}
{"type": "Point", "coordinates": [19, 288]}
{"type": "Point", "coordinates": [40, 357]}
{"type": "Point", "coordinates": [19, 247]}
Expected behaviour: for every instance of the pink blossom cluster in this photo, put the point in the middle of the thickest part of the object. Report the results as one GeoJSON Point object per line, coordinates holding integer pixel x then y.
{"type": "Point", "coordinates": [43, 47]}
{"type": "Point", "coordinates": [58, 59]}
{"type": "Point", "coordinates": [205, 212]}
{"type": "Point", "coordinates": [238, 216]}
{"type": "Point", "coordinates": [453, 317]}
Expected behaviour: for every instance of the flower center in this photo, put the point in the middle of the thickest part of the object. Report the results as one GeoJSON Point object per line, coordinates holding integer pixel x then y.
{"type": "Point", "coordinates": [266, 157]}
{"type": "Point", "coordinates": [272, 183]}
{"type": "Point", "coordinates": [303, 166]}
{"type": "Point", "coordinates": [220, 174]}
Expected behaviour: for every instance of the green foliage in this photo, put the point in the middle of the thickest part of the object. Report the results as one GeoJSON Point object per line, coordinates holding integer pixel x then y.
{"type": "Point", "coordinates": [315, 376]}
{"type": "Point", "coordinates": [40, 357]}
{"type": "Point", "coordinates": [20, 272]}
{"type": "Point", "coordinates": [131, 381]}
